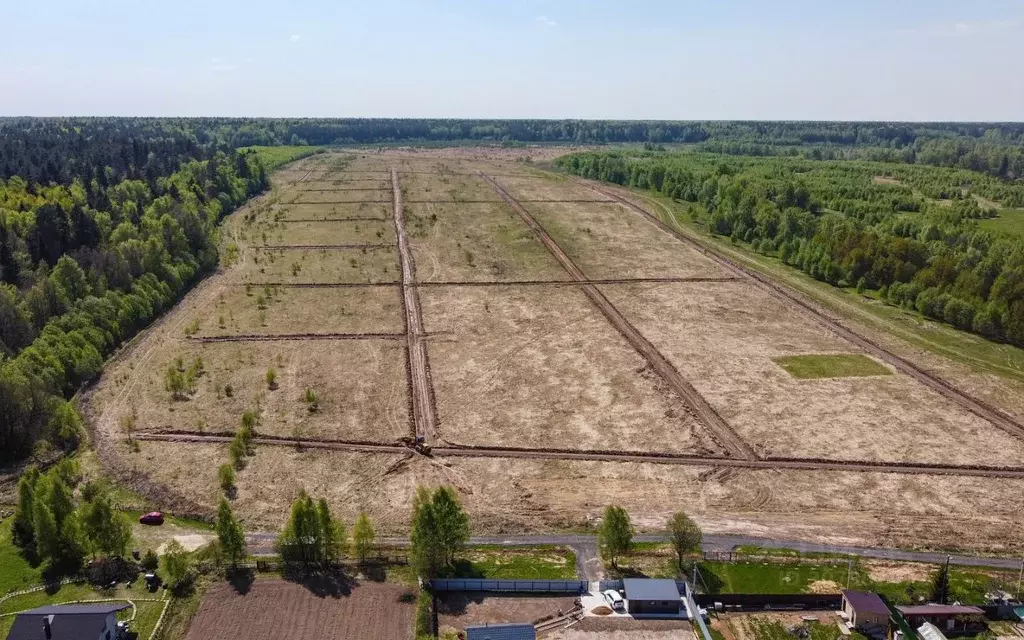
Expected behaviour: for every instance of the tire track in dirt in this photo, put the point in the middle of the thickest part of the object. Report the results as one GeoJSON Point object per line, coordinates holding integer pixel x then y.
{"type": "Point", "coordinates": [791, 464]}
{"type": "Point", "coordinates": [360, 219]}
{"type": "Point", "coordinates": [485, 283]}
{"type": "Point", "coordinates": [576, 201]}
{"type": "Point", "coordinates": [424, 409]}
{"type": "Point", "coordinates": [321, 247]}
{"type": "Point", "coordinates": [978, 407]}
{"type": "Point", "coordinates": [338, 202]}
{"type": "Point", "coordinates": [706, 414]}
{"type": "Point", "coordinates": [260, 337]}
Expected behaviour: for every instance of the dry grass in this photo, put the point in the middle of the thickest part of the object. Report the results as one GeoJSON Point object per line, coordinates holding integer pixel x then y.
{"type": "Point", "coordinates": [319, 266]}
{"type": "Point", "coordinates": [724, 338]}
{"type": "Point", "coordinates": [329, 212]}
{"type": "Point", "coordinates": [476, 242]}
{"type": "Point", "coordinates": [539, 367]}
{"type": "Point", "coordinates": [332, 232]}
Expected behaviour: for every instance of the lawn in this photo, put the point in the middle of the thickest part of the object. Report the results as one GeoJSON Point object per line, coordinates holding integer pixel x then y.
{"type": "Point", "coordinates": [145, 621]}
{"type": "Point", "coordinates": [1009, 220]}
{"type": "Point", "coordinates": [844, 365]}
{"type": "Point", "coordinates": [15, 572]}
{"type": "Point", "coordinates": [274, 157]}
{"type": "Point", "coordinates": [529, 563]}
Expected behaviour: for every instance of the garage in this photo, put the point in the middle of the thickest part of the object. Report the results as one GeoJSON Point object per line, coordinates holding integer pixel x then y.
{"type": "Point", "coordinates": [652, 597]}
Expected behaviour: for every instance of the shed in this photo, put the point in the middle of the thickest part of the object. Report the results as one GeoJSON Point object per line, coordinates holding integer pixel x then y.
{"type": "Point", "coordinates": [68, 622]}
{"type": "Point", "coordinates": [951, 619]}
{"type": "Point", "coordinates": [502, 632]}
{"type": "Point", "coordinates": [652, 597]}
{"type": "Point", "coordinates": [865, 609]}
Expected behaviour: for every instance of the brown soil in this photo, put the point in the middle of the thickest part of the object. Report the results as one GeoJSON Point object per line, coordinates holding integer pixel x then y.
{"type": "Point", "coordinates": [460, 610]}
{"type": "Point", "coordinates": [277, 609]}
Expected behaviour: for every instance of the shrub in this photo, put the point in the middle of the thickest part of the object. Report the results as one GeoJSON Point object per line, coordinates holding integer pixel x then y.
{"type": "Point", "coordinates": [150, 561]}
{"type": "Point", "coordinates": [226, 473]}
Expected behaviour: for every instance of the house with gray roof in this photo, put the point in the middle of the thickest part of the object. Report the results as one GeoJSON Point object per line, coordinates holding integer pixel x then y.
{"type": "Point", "coordinates": [96, 621]}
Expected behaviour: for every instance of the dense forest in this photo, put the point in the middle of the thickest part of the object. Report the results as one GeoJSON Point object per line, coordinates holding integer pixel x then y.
{"type": "Point", "coordinates": [112, 225]}
{"type": "Point", "coordinates": [55, 149]}
{"type": "Point", "coordinates": [909, 232]}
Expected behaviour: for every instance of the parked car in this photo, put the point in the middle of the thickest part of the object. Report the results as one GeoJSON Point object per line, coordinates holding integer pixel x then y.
{"type": "Point", "coordinates": [153, 517]}
{"type": "Point", "coordinates": [615, 601]}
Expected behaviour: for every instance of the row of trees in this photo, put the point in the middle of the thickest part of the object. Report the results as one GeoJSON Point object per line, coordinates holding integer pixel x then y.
{"type": "Point", "coordinates": [870, 225]}
{"type": "Point", "coordinates": [616, 535]}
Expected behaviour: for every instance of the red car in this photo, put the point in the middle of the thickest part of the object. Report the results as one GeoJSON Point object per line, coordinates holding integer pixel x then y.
{"type": "Point", "coordinates": [153, 517]}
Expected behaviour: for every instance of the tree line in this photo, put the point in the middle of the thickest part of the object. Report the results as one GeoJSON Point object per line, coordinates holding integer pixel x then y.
{"type": "Point", "coordinates": [908, 232]}
{"type": "Point", "coordinates": [78, 280]}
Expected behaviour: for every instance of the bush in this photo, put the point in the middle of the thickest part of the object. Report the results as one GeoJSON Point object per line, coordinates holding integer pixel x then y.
{"type": "Point", "coordinates": [150, 561]}
{"type": "Point", "coordinates": [226, 473]}
{"type": "Point", "coordinates": [424, 623]}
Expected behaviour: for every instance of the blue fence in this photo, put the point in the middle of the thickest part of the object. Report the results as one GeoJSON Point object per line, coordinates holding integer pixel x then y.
{"type": "Point", "coordinates": [511, 586]}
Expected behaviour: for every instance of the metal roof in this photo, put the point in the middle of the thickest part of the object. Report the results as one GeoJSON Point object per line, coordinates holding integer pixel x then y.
{"type": "Point", "coordinates": [649, 589]}
{"type": "Point", "coordinates": [929, 631]}
{"type": "Point", "coordinates": [940, 610]}
{"type": "Point", "coordinates": [865, 602]}
{"type": "Point", "coordinates": [67, 622]}
{"type": "Point", "coordinates": [502, 632]}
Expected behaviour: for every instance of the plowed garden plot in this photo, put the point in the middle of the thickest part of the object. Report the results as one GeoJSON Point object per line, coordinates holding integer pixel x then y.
{"type": "Point", "coordinates": [445, 185]}
{"type": "Point", "coordinates": [539, 367]}
{"type": "Point", "coordinates": [319, 266]}
{"type": "Point", "coordinates": [317, 197]}
{"type": "Point", "coordinates": [723, 337]}
{"type": "Point", "coordinates": [607, 241]}
{"type": "Point", "coordinates": [271, 310]}
{"type": "Point", "coordinates": [274, 609]}
{"type": "Point", "coordinates": [330, 212]}
{"type": "Point", "coordinates": [334, 232]}
{"type": "Point", "coordinates": [360, 386]}
{"type": "Point", "coordinates": [460, 610]}
{"type": "Point", "coordinates": [476, 242]}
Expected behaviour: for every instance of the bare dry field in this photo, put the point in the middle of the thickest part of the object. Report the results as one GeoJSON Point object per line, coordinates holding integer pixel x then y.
{"type": "Point", "coordinates": [277, 310]}
{"type": "Point", "coordinates": [319, 266]}
{"type": "Point", "coordinates": [724, 335]}
{"type": "Point", "coordinates": [276, 609]}
{"type": "Point", "coordinates": [539, 367]}
{"type": "Point", "coordinates": [476, 242]}
{"type": "Point", "coordinates": [605, 242]}
{"type": "Point", "coordinates": [339, 196]}
{"type": "Point", "coordinates": [460, 610]}
{"type": "Point", "coordinates": [533, 367]}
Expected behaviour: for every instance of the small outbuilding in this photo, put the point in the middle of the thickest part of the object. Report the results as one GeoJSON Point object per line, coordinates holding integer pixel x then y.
{"type": "Point", "coordinates": [68, 622]}
{"type": "Point", "coordinates": [865, 610]}
{"type": "Point", "coordinates": [652, 597]}
{"type": "Point", "coordinates": [951, 619]}
{"type": "Point", "coordinates": [502, 632]}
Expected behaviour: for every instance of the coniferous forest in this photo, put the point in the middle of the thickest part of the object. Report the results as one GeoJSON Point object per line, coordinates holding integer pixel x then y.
{"type": "Point", "coordinates": [106, 222]}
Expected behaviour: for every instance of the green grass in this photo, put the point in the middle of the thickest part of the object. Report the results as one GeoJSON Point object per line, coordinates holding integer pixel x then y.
{"type": "Point", "coordinates": [1009, 220]}
{"type": "Point", "coordinates": [145, 621]}
{"type": "Point", "coordinates": [832, 366]}
{"type": "Point", "coordinates": [274, 157]}
{"type": "Point", "coordinates": [15, 572]}
{"type": "Point", "coordinates": [538, 563]}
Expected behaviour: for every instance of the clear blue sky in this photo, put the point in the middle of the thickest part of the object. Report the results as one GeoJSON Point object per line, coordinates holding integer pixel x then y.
{"type": "Point", "coordinates": [665, 59]}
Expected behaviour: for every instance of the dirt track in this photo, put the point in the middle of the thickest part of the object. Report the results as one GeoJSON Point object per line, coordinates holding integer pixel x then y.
{"type": "Point", "coordinates": [299, 336]}
{"type": "Point", "coordinates": [608, 456]}
{"type": "Point", "coordinates": [423, 409]}
{"type": "Point", "coordinates": [972, 404]}
{"type": "Point", "coordinates": [720, 430]}
{"type": "Point", "coordinates": [283, 247]}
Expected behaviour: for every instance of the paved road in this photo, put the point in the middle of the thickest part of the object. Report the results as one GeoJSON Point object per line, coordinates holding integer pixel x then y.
{"type": "Point", "coordinates": [589, 567]}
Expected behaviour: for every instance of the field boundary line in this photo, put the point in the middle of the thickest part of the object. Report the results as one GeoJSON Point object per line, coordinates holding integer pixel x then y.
{"type": "Point", "coordinates": [260, 337]}
{"type": "Point", "coordinates": [359, 219]}
{"type": "Point", "coordinates": [338, 202]}
{"type": "Point", "coordinates": [715, 425]}
{"type": "Point", "coordinates": [424, 408]}
{"type": "Point", "coordinates": [466, 451]}
{"type": "Point", "coordinates": [322, 247]}
{"type": "Point", "coordinates": [494, 283]}
{"type": "Point", "coordinates": [978, 407]}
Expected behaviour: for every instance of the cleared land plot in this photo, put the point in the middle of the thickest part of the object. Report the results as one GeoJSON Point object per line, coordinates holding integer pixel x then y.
{"type": "Point", "coordinates": [476, 242]}
{"type": "Point", "coordinates": [461, 610]}
{"type": "Point", "coordinates": [342, 181]}
{"type": "Point", "coordinates": [275, 609]}
{"type": "Point", "coordinates": [445, 185]}
{"type": "Point", "coordinates": [319, 266]}
{"type": "Point", "coordinates": [539, 367]}
{"type": "Point", "coordinates": [317, 197]}
{"type": "Point", "coordinates": [608, 241]}
{"type": "Point", "coordinates": [1009, 220]}
{"type": "Point", "coordinates": [544, 187]}
{"type": "Point", "coordinates": [271, 310]}
{"type": "Point", "coordinates": [724, 338]}
{"type": "Point", "coordinates": [329, 212]}
{"type": "Point", "coordinates": [840, 365]}
{"type": "Point", "coordinates": [334, 232]}
{"type": "Point", "coordinates": [360, 386]}
{"type": "Point", "coordinates": [594, 628]}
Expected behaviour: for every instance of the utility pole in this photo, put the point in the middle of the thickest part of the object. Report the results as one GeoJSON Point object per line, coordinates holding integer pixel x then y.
{"type": "Point", "coordinates": [849, 571]}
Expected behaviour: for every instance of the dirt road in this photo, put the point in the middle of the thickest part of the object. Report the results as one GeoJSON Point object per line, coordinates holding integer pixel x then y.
{"type": "Point", "coordinates": [423, 408]}
{"type": "Point", "coordinates": [717, 427]}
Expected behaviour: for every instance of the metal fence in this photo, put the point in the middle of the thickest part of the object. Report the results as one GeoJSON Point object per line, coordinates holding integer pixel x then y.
{"type": "Point", "coordinates": [511, 586]}
{"type": "Point", "coordinates": [618, 585]}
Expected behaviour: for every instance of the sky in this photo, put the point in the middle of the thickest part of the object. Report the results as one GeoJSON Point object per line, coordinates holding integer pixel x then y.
{"type": "Point", "coordinates": [916, 60]}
